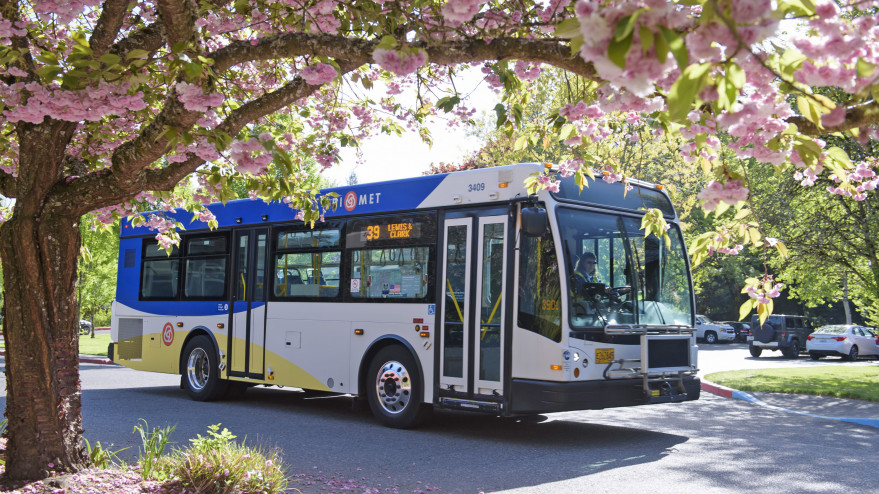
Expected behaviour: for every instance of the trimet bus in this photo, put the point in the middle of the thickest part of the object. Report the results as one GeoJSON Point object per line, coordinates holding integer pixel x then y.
{"type": "Point", "coordinates": [450, 291]}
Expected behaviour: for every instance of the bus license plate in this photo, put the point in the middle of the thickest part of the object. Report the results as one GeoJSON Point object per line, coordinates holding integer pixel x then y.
{"type": "Point", "coordinates": [603, 355]}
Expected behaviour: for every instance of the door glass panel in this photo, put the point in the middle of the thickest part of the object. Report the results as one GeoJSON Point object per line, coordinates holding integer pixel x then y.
{"type": "Point", "coordinates": [260, 270]}
{"type": "Point", "coordinates": [241, 263]}
{"type": "Point", "coordinates": [454, 289]}
{"type": "Point", "coordinates": [491, 293]}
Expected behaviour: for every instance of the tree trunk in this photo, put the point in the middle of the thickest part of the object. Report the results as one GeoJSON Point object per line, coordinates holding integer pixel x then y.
{"type": "Point", "coordinates": [39, 256]}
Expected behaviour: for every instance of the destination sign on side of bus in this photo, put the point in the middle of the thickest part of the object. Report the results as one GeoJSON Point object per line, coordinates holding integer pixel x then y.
{"type": "Point", "coordinates": [391, 230]}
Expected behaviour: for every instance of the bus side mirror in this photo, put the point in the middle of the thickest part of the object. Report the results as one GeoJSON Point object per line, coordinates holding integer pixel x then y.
{"type": "Point", "coordinates": [534, 221]}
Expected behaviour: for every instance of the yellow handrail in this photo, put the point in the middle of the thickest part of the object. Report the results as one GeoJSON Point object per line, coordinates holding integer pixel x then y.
{"type": "Point", "coordinates": [496, 304]}
{"type": "Point", "coordinates": [454, 300]}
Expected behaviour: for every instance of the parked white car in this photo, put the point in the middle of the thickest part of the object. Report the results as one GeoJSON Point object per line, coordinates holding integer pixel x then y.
{"type": "Point", "coordinates": [712, 332]}
{"type": "Point", "coordinates": [845, 340]}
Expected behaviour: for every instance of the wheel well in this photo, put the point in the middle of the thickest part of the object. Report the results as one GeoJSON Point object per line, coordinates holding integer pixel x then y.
{"type": "Point", "coordinates": [196, 331]}
{"type": "Point", "coordinates": [374, 348]}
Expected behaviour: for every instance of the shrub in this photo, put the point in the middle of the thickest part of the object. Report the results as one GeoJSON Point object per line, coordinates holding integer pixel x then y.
{"type": "Point", "coordinates": [216, 464]}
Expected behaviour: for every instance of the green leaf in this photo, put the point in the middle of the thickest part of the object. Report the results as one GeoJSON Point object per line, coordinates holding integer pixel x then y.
{"type": "Point", "coordinates": [501, 112]}
{"type": "Point", "coordinates": [387, 43]}
{"type": "Point", "coordinates": [618, 49]}
{"type": "Point", "coordinates": [448, 103]}
{"type": "Point", "coordinates": [661, 48]}
{"type": "Point", "coordinates": [865, 69]}
{"type": "Point", "coordinates": [48, 58]}
{"type": "Point", "coordinates": [840, 156]}
{"type": "Point", "coordinates": [193, 70]}
{"type": "Point", "coordinates": [781, 249]}
{"type": "Point", "coordinates": [646, 37]}
{"type": "Point", "coordinates": [683, 92]}
{"type": "Point", "coordinates": [626, 26]}
{"type": "Point", "coordinates": [49, 72]}
{"type": "Point", "coordinates": [568, 28]}
{"type": "Point", "coordinates": [110, 59]}
{"type": "Point", "coordinates": [746, 309]}
{"type": "Point", "coordinates": [735, 75]}
{"type": "Point", "coordinates": [809, 109]}
{"type": "Point", "coordinates": [521, 143]}
{"type": "Point", "coordinates": [566, 132]}
{"type": "Point", "coordinates": [676, 46]}
{"type": "Point", "coordinates": [137, 54]}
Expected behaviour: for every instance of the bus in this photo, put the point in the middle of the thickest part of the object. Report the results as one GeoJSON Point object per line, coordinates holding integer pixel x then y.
{"type": "Point", "coordinates": [451, 291]}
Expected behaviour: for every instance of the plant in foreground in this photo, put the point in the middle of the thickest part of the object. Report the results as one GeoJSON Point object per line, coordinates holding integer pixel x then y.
{"type": "Point", "coordinates": [154, 442]}
{"type": "Point", "coordinates": [216, 463]}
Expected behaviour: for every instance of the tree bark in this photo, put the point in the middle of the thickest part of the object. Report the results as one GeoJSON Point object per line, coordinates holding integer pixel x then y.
{"type": "Point", "coordinates": [43, 400]}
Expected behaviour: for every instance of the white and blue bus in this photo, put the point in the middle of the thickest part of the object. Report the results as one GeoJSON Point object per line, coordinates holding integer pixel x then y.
{"type": "Point", "coordinates": [445, 291]}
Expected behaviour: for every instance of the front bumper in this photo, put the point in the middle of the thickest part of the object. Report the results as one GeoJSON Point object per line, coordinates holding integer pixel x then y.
{"type": "Point", "coordinates": [532, 396]}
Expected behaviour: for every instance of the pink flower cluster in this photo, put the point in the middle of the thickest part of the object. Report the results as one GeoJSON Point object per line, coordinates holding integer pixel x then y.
{"type": "Point", "coordinates": [457, 12]}
{"type": "Point", "coordinates": [319, 74]}
{"type": "Point", "coordinates": [859, 182]}
{"type": "Point", "coordinates": [90, 104]}
{"type": "Point", "coordinates": [763, 295]}
{"type": "Point", "coordinates": [250, 156]}
{"type": "Point", "coordinates": [8, 30]}
{"type": "Point", "coordinates": [579, 110]}
{"type": "Point", "coordinates": [527, 71]}
{"type": "Point", "coordinates": [716, 192]}
{"type": "Point", "coordinates": [398, 63]}
{"type": "Point", "coordinates": [548, 183]}
{"type": "Point", "coordinates": [66, 10]}
{"type": "Point", "coordinates": [194, 99]}
{"type": "Point", "coordinates": [321, 15]}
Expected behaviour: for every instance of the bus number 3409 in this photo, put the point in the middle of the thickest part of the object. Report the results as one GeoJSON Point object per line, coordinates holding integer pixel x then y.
{"type": "Point", "coordinates": [476, 187]}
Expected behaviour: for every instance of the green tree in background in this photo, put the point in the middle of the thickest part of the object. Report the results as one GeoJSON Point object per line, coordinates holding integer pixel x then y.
{"type": "Point", "coordinates": [96, 286]}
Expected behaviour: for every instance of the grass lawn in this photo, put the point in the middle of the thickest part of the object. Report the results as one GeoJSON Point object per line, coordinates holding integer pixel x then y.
{"type": "Point", "coordinates": [841, 381]}
{"type": "Point", "coordinates": [87, 345]}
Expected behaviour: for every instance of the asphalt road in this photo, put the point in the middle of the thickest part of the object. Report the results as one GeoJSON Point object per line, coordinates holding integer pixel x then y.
{"type": "Point", "coordinates": [712, 445]}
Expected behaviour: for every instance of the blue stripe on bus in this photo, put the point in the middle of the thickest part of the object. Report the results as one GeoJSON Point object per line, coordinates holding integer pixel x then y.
{"type": "Point", "coordinates": [394, 195]}
{"type": "Point", "coordinates": [186, 308]}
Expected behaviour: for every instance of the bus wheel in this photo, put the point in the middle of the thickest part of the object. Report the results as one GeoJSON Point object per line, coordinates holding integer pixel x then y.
{"type": "Point", "coordinates": [201, 373]}
{"type": "Point", "coordinates": [394, 389]}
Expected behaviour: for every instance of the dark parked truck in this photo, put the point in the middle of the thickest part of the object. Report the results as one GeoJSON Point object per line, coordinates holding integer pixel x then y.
{"type": "Point", "coordinates": [779, 332]}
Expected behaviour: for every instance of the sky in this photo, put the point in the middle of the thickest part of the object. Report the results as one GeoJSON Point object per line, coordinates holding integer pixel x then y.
{"type": "Point", "coordinates": [391, 157]}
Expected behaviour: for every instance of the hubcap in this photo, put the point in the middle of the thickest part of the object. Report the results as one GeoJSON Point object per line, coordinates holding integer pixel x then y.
{"type": "Point", "coordinates": [197, 369]}
{"type": "Point", "coordinates": [393, 387]}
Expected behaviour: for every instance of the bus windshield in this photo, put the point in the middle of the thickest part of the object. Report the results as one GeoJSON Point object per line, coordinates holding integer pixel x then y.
{"type": "Point", "coordinates": [616, 276]}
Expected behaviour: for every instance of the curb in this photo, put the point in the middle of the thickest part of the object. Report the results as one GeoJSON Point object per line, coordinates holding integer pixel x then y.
{"type": "Point", "coordinates": [725, 392]}
{"type": "Point", "coordinates": [83, 359]}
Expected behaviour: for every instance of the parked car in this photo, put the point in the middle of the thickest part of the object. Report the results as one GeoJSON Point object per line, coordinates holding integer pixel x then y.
{"type": "Point", "coordinates": [743, 330]}
{"type": "Point", "coordinates": [85, 327]}
{"type": "Point", "coordinates": [848, 341]}
{"type": "Point", "coordinates": [712, 332]}
{"type": "Point", "coordinates": [780, 332]}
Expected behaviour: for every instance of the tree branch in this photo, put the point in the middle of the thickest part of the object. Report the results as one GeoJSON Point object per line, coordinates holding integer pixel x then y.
{"type": "Point", "coordinates": [109, 24]}
{"type": "Point", "coordinates": [855, 117]}
{"type": "Point", "coordinates": [178, 17]}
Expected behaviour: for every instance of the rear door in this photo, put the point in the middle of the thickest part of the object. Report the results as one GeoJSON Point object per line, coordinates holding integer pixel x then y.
{"type": "Point", "coordinates": [246, 345]}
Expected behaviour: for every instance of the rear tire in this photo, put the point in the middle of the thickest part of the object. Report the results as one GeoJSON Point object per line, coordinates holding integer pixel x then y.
{"type": "Point", "coordinates": [201, 372]}
{"type": "Point", "coordinates": [793, 351]}
{"type": "Point", "coordinates": [395, 390]}
{"type": "Point", "coordinates": [853, 353]}
{"type": "Point", "coordinates": [710, 337]}
{"type": "Point", "coordinates": [755, 351]}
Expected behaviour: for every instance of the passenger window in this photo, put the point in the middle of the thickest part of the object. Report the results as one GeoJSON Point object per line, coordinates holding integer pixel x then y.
{"type": "Point", "coordinates": [205, 268]}
{"type": "Point", "coordinates": [307, 263]}
{"type": "Point", "coordinates": [395, 273]}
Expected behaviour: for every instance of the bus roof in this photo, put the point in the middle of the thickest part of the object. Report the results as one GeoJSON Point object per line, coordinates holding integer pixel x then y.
{"type": "Point", "coordinates": [470, 187]}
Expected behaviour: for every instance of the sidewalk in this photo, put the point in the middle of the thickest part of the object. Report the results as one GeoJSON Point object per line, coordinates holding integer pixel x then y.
{"type": "Point", "coordinates": [852, 411]}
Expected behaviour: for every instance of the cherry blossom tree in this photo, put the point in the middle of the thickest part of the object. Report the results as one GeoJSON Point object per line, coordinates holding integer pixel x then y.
{"type": "Point", "coordinates": [107, 105]}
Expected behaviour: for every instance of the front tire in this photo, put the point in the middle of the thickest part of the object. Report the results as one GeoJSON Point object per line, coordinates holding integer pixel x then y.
{"type": "Point", "coordinates": [201, 372]}
{"type": "Point", "coordinates": [755, 351]}
{"type": "Point", "coordinates": [395, 390]}
{"type": "Point", "coordinates": [710, 338]}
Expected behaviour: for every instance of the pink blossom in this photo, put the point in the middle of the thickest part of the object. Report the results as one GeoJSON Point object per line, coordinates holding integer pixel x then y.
{"type": "Point", "coordinates": [194, 99]}
{"type": "Point", "coordinates": [400, 64]}
{"type": "Point", "coordinates": [457, 12]}
{"type": "Point", "coordinates": [716, 192]}
{"type": "Point", "coordinates": [317, 75]}
{"type": "Point", "coordinates": [526, 71]}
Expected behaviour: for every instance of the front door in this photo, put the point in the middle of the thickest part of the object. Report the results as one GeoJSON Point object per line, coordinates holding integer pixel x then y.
{"type": "Point", "coordinates": [246, 348]}
{"type": "Point", "coordinates": [473, 315]}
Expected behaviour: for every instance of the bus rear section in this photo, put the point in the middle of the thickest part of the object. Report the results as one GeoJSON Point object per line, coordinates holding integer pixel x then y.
{"type": "Point", "coordinates": [454, 291]}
